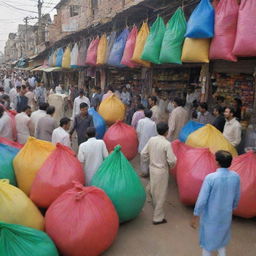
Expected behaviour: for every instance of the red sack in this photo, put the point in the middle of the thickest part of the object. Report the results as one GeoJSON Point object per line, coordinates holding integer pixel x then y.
{"type": "Point", "coordinates": [226, 16]}
{"type": "Point", "coordinates": [82, 221]}
{"type": "Point", "coordinates": [245, 45]}
{"type": "Point", "coordinates": [91, 57]}
{"type": "Point", "coordinates": [245, 166]}
{"type": "Point", "coordinates": [129, 49]}
{"type": "Point", "coordinates": [10, 143]}
{"type": "Point", "coordinates": [123, 135]}
{"type": "Point", "coordinates": [56, 176]}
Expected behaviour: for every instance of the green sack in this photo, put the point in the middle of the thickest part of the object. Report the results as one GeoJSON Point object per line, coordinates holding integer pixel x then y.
{"type": "Point", "coordinates": [121, 183]}
{"type": "Point", "coordinates": [173, 38]}
{"type": "Point", "coordinates": [16, 240]}
{"type": "Point", "coordinates": [153, 44]}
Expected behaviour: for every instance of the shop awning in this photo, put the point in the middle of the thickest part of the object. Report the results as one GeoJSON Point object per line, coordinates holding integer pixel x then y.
{"type": "Point", "coordinates": [40, 68]}
{"type": "Point", "coordinates": [51, 69]}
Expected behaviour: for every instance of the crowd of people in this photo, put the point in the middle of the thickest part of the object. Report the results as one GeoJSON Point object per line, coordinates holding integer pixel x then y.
{"type": "Point", "coordinates": [157, 120]}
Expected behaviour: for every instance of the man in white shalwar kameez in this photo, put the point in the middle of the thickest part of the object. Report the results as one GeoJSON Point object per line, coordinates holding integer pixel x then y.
{"type": "Point", "coordinates": [77, 102]}
{"type": "Point", "coordinates": [161, 158]}
{"type": "Point", "coordinates": [92, 154]}
{"type": "Point", "coordinates": [5, 124]}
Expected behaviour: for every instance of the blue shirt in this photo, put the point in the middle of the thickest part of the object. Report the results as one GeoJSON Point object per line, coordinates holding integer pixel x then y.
{"type": "Point", "coordinates": [218, 197]}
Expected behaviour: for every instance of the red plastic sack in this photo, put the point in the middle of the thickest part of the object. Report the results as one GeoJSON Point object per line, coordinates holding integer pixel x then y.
{"type": "Point", "coordinates": [56, 176]}
{"type": "Point", "coordinates": [129, 49]}
{"type": "Point", "coordinates": [10, 143]}
{"type": "Point", "coordinates": [123, 135]}
{"type": "Point", "coordinates": [245, 166]}
{"type": "Point", "coordinates": [226, 16]}
{"type": "Point", "coordinates": [245, 45]}
{"type": "Point", "coordinates": [82, 221]}
{"type": "Point", "coordinates": [91, 57]}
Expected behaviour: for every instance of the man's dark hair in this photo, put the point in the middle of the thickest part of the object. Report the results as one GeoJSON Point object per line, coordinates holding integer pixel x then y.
{"type": "Point", "coordinates": [81, 92]}
{"type": "Point", "coordinates": [83, 105]}
{"type": "Point", "coordinates": [179, 101]}
{"type": "Point", "coordinates": [25, 108]}
{"type": "Point", "coordinates": [64, 121]}
{"type": "Point", "coordinates": [1, 89]}
{"type": "Point", "coordinates": [43, 106]}
{"type": "Point", "coordinates": [153, 98]}
{"type": "Point", "coordinates": [140, 107]}
{"type": "Point", "coordinates": [204, 105]}
{"type": "Point", "coordinates": [219, 109]}
{"type": "Point", "coordinates": [1, 111]}
{"type": "Point", "coordinates": [110, 88]}
{"type": "Point", "coordinates": [50, 110]}
{"type": "Point", "coordinates": [91, 132]}
{"type": "Point", "coordinates": [148, 113]}
{"type": "Point", "coordinates": [18, 87]}
{"type": "Point", "coordinates": [232, 110]}
{"type": "Point", "coordinates": [194, 115]}
{"type": "Point", "coordinates": [224, 158]}
{"type": "Point", "coordinates": [162, 128]}
{"type": "Point", "coordinates": [220, 98]}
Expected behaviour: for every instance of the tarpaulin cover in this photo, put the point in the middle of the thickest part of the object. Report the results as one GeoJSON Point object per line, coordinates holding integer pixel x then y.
{"type": "Point", "coordinates": [119, 180]}
{"type": "Point", "coordinates": [225, 30]}
{"type": "Point", "coordinates": [154, 41]}
{"type": "Point", "coordinates": [7, 154]}
{"type": "Point", "coordinates": [99, 123]}
{"type": "Point", "coordinates": [91, 57]}
{"type": "Point", "coordinates": [129, 49]}
{"type": "Point", "coordinates": [56, 176]}
{"type": "Point", "coordinates": [245, 166]}
{"type": "Point", "coordinates": [29, 161]}
{"type": "Point", "coordinates": [74, 56]}
{"type": "Point", "coordinates": [66, 60]}
{"type": "Point", "coordinates": [112, 109]}
{"type": "Point", "coordinates": [196, 50]}
{"type": "Point", "coordinates": [82, 52]}
{"type": "Point", "coordinates": [111, 40]}
{"type": "Point", "coordinates": [117, 50]}
{"type": "Point", "coordinates": [210, 137]}
{"type": "Point", "coordinates": [59, 56]}
{"type": "Point", "coordinates": [190, 127]}
{"type": "Point", "coordinates": [82, 221]}
{"type": "Point", "coordinates": [10, 143]}
{"type": "Point", "coordinates": [201, 21]}
{"type": "Point", "coordinates": [102, 50]}
{"type": "Point", "coordinates": [17, 208]}
{"type": "Point", "coordinates": [17, 240]}
{"type": "Point", "coordinates": [246, 34]}
{"type": "Point", "coordinates": [124, 135]}
{"type": "Point", "coordinates": [173, 38]}
{"type": "Point", "coordinates": [139, 45]}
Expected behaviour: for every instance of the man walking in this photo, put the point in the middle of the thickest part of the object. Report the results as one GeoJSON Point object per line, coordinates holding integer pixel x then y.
{"type": "Point", "coordinates": [152, 101]}
{"type": "Point", "coordinates": [218, 197]}
{"type": "Point", "coordinates": [60, 134]}
{"type": "Point", "coordinates": [96, 98]}
{"type": "Point", "coordinates": [77, 102]}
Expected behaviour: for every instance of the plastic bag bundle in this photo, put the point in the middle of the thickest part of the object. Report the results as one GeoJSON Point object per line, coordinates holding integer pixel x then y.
{"type": "Point", "coordinates": [154, 41]}
{"type": "Point", "coordinates": [201, 21]}
{"type": "Point", "coordinates": [117, 50]}
{"type": "Point", "coordinates": [82, 221]}
{"type": "Point", "coordinates": [112, 109]}
{"type": "Point", "coordinates": [139, 45]}
{"type": "Point", "coordinates": [177, 146]}
{"type": "Point", "coordinates": [24, 241]}
{"type": "Point", "coordinates": [50, 59]}
{"type": "Point", "coordinates": [111, 40]}
{"type": "Point", "coordinates": [99, 123]}
{"type": "Point", "coordinates": [124, 135]}
{"type": "Point", "coordinates": [225, 30]}
{"type": "Point", "coordinates": [59, 56]}
{"type": "Point", "coordinates": [196, 50]}
{"type": "Point", "coordinates": [102, 50]}
{"type": "Point", "coordinates": [54, 58]}
{"type": "Point", "coordinates": [129, 49]}
{"type": "Point", "coordinates": [10, 143]}
{"type": "Point", "coordinates": [56, 176]}
{"type": "Point", "coordinates": [82, 52]}
{"type": "Point", "coordinates": [66, 58]}
{"type": "Point", "coordinates": [17, 208]}
{"type": "Point", "coordinates": [91, 57]}
{"type": "Point", "coordinates": [29, 161]}
{"type": "Point", "coordinates": [246, 37]}
{"type": "Point", "coordinates": [121, 183]}
{"type": "Point", "coordinates": [245, 166]}
{"type": "Point", "coordinates": [173, 38]}
{"type": "Point", "coordinates": [189, 128]}
{"type": "Point", "coordinates": [7, 154]}
{"type": "Point", "coordinates": [209, 137]}
{"type": "Point", "coordinates": [74, 56]}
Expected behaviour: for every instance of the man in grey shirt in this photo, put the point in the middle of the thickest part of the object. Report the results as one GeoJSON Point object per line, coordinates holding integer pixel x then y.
{"type": "Point", "coordinates": [205, 117]}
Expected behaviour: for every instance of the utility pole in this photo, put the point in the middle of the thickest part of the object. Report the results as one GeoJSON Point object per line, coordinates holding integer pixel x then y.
{"type": "Point", "coordinates": [40, 32]}
{"type": "Point", "coordinates": [26, 20]}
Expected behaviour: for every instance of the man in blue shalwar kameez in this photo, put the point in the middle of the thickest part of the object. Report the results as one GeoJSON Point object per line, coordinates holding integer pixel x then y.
{"type": "Point", "coordinates": [218, 197]}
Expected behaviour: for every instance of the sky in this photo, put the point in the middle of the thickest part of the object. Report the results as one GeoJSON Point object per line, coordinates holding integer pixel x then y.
{"type": "Point", "coordinates": [13, 12]}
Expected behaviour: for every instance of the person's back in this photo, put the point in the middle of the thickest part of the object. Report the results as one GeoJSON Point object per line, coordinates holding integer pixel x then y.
{"type": "Point", "coordinates": [5, 124]}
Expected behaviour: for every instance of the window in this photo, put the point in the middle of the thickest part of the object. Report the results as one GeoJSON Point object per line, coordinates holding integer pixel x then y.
{"type": "Point", "coordinates": [94, 4]}
{"type": "Point", "coordinates": [74, 10]}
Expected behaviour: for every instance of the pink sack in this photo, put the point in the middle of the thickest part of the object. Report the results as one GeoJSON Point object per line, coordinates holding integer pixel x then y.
{"type": "Point", "coordinates": [226, 16]}
{"type": "Point", "coordinates": [129, 49]}
{"type": "Point", "coordinates": [245, 45]}
{"type": "Point", "coordinates": [91, 58]}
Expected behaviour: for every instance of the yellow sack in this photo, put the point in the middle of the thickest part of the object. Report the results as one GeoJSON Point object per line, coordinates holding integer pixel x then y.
{"type": "Point", "coordinates": [102, 50]}
{"type": "Point", "coordinates": [112, 109]}
{"type": "Point", "coordinates": [17, 208]}
{"type": "Point", "coordinates": [139, 45]}
{"type": "Point", "coordinates": [196, 50]}
{"type": "Point", "coordinates": [209, 137]}
{"type": "Point", "coordinates": [66, 60]}
{"type": "Point", "coordinates": [29, 160]}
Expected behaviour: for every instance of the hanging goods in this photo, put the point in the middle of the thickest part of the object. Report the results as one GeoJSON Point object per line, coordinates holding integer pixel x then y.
{"type": "Point", "coordinates": [66, 60]}
{"type": "Point", "coordinates": [59, 56]}
{"type": "Point", "coordinates": [102, 50]}
{"type": "Point", "coordinates": [91, 58]}
{"type": "Point", "coordinates": [74, 56]}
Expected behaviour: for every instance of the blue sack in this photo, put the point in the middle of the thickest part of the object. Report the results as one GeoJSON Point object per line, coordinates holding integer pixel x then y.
{"type": "Point", "coordinates": [201, 21]}
{"type": "Point", "coordinates": [99, 123]}
{"type": "Point", "coordinates": [117, 50]}
{"type": "Point", "coordinates": [189, 128]}
{"type": "Point", "coordinates": [59, 57]}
